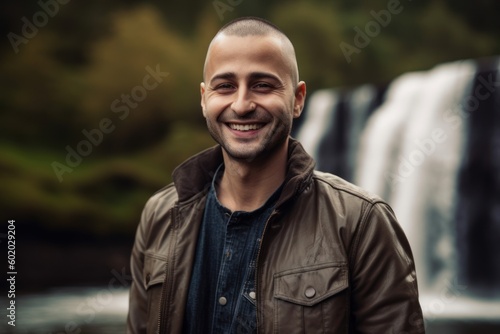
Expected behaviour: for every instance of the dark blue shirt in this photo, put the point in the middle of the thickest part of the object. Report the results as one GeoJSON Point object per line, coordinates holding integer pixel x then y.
{"type": "Point", "coordinates": [221, 297]}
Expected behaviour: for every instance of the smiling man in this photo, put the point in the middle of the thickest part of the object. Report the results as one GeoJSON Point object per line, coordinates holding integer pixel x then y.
{"type": "Point", "coordinates": [249, 238]}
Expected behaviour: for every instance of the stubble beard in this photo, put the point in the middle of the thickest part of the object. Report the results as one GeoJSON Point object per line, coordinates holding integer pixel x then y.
{"type": "Point", "coordinates": [271, 143]}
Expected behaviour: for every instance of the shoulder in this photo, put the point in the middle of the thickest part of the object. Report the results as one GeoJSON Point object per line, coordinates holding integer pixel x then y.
{"type": "Point", "coordinates": [156, 217]}
{"type": "Point", "coordinates": [350, 200]}
{"type": "Point", "coordinates": [336, 185]}
{"type": "Point", "coordinates": [161, 201]}
{"type": "Point", "coordinates": [371, 217]}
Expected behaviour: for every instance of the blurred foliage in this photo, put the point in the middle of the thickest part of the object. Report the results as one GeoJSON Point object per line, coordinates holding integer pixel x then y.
{"type": "Point", "coordinates": [315, 31]}
{"type": "Point", "coordinates": [92, 54]}
{"type": "Point", "coordinates": [102, 195]}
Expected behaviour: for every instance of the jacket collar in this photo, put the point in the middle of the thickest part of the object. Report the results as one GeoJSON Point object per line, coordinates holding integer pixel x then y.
{"type": "Point", "coordinates": [195, 175]}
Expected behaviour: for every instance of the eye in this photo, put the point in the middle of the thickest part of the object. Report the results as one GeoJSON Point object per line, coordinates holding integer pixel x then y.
{"type": "Point", "coordinates": [263, 86]}
{"type": "Point", "coordinates": [224, 87]}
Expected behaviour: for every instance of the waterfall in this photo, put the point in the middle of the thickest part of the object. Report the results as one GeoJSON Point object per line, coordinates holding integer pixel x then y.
{"type": "Point", "coordinates": [431, 151]}
{"type": "Point", "coordinates": [320, 113]}
{"type": "Point", "coordinates": [419, 148]}
{"type": "Point", "coordinates": [381, 137]}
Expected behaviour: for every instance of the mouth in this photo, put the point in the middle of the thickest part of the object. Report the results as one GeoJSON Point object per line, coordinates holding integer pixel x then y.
{"type": "Point", "coordinates": [245, 127]}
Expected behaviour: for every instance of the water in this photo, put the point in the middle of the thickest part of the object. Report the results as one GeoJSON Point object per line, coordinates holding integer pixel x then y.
{"type": "Point", "coordinates": [71, 310]}
{"type": "Point", "coordinates": [410, 153]}
{"type": "Point", "coordinates": [102, 311]}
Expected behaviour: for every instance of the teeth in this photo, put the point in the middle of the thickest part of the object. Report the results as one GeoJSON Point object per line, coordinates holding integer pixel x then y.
{"type": "Point", "coordinates": [245, 127]}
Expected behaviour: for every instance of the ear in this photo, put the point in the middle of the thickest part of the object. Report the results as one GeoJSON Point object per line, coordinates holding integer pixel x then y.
{"type": "Point", "coordinates": [202, 93]}
{"type": "Point", "coordinates": [300, 99]}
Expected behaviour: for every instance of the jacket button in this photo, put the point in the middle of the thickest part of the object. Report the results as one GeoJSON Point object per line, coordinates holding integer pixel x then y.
{"type": "Point", "coordinates": [310, 292]}
{"type": "Point", "coordinates": [222, 301]}
{"type": "Point", "coordinates": [252, 295]}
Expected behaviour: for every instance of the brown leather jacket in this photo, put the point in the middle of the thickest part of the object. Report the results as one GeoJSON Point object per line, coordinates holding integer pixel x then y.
{"type": "Point", "coordinates": [333, 258]}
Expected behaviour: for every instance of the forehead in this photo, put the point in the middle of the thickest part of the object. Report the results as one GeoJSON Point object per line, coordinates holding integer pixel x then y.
{"type": "Point", "coordinates": [246, 54]}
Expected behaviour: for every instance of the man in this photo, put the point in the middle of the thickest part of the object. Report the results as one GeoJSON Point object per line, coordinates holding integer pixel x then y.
{"type": "Point", "coordinates": [249, 238]}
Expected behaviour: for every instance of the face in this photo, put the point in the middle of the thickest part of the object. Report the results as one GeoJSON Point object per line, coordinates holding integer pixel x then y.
{"type": "Point", "coordinates": [248, 97]}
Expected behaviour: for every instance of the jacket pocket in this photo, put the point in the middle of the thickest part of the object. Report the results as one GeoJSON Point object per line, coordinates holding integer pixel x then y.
{"type": "Point", "coordinates": [311, 299]}
{"type": "Point", "coordinates": [154, 275]}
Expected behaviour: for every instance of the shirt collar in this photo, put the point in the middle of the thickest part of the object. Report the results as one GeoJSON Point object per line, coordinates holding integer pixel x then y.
{"type": "Point", "coordinates": [194, 177]}
{"type": "Point", "coordinates": [271, 201]}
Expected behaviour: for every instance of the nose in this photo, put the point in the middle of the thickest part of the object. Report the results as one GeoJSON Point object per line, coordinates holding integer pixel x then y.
{"type": "Point", "coordinates": [243, 103]}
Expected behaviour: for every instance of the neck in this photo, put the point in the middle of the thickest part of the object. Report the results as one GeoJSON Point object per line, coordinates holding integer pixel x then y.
{"type": "Point", "coordinates": [246, 186]}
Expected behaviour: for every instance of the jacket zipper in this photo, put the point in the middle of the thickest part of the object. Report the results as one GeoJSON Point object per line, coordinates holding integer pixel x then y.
{"type": "Point", "coordinates": [257, 288]}
{"type": "Point", "coordinates": [163, 298]}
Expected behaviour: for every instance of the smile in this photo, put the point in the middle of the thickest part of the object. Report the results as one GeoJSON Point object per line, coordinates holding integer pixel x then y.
{"type": "Point", "coordinates": [245, 127]}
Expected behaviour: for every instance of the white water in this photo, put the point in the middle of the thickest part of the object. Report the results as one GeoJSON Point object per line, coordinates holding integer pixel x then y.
{"type": "Point", "coordinates": [409, 154]}
{"type": "Point", "coordinates": [71, 310]}
{"type": "Point", "coordinates": [319, 117]}
{"type": "Point", "coordinates": [95, 310]}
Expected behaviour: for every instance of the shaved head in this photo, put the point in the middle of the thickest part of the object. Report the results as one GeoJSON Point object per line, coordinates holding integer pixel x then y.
{"type": "Point", "coordinates": [250, 26]}
{"type": "Point", "coordinates": [251, 93]}
{"type": "Point", "coordinates": [254, 26]}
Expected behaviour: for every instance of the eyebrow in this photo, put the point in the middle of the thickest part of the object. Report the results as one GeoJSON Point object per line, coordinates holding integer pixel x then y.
{"type": "Point", "coordinates": [253, 76]}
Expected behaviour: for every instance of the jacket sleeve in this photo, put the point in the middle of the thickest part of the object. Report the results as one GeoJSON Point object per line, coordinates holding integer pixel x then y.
{"type": "Point", "coordinates": [384, 284]}
{"type": "Point", "coordinates": [137, 313]}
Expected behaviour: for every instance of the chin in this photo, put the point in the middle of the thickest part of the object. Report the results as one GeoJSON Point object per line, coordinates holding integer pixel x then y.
{"type": "Point", "coordinates": [243, 152]}
{"type": "Point", "coordinates": [244, 156]}
{"type": "Point", "coordinates": [256, 153]}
